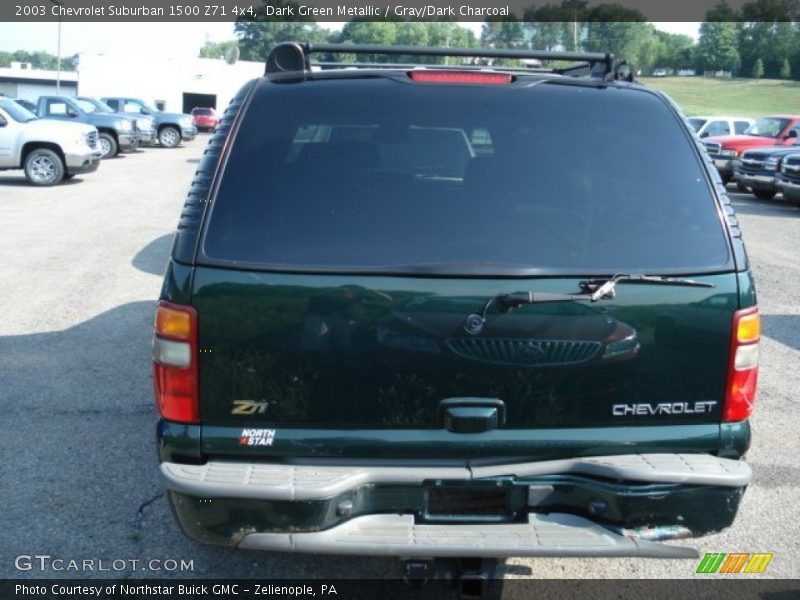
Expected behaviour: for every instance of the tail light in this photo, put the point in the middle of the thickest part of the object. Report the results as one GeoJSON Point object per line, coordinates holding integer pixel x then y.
{"type": "Point", "coordinates": [175, 363]}
{"type": "Point", "coordinates": [460, 77]}
{"type": "Point", "coordinates": [740, 394]}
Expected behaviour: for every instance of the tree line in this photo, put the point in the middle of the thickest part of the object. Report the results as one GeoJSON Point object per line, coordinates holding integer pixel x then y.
{"type": "Point", "coordinates": [39, 60]}
{"type": "Point", "coordinates": [760, 39]}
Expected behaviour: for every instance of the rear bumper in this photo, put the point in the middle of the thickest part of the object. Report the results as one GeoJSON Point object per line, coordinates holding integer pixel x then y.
{"type": "Point", "coordinates": [595, 506]}
{"type": "Point", "coordinates": [399, 535]}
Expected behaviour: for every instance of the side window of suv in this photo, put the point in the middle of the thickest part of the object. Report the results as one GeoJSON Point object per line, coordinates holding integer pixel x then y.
{"type": "Point", "coordinates": [741, 126]}
{"type": "Point", "coordinates": [718, 128]}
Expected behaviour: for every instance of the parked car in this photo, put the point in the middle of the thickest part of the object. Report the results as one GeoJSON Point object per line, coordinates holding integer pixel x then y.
{"type": "Point", "coordinates": [715, 126]}
{"type": "Point", "coordinates": [361, 351]}
{"type": "Point", "coordinates": [144, 124]}
{"type": "Point", "coordinates": [766, 131]}
{"type": "Point", "coordinates": [660, 73]}
{"type": "Point", "coordinates": [205, 119]}
{"type": "Point", "coordinates": [115, 132]}
{"type": "Point", "coordinates": [758, 168]}
{"type": "Point", "coordinates": [47, 151]}
{"type": "Point", "coordinates": [788, 178]}
{"type": "Point", "coordinates": [171, 128]}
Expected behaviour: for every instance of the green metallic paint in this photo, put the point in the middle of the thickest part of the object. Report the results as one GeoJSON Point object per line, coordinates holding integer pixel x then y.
{"type": "Point", "coordinates": [521, 444]}
{"type": "Point", "coordinates": [383, 352]}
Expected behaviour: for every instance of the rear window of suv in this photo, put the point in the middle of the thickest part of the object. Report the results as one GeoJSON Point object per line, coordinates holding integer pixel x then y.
{"type": "Point", "coordinates": [381, 174]}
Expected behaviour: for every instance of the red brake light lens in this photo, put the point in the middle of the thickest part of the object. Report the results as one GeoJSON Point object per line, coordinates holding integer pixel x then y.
{"type": "Point", "coordinates": [461, 77]}
{"type": "Point", "coordinates": [175, 373]}
{"type": "Point", "coordinates": [740, 393]}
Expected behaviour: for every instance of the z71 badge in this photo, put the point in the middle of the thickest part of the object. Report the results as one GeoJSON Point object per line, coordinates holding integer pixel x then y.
{"type": "Point", "coordinates": [249, 407]}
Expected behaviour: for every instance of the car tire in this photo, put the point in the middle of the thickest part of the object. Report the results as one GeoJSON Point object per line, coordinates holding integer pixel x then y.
{"type": "Point", "coordinates": [44, 167]}
{"type": "Point", "coordinates": [726, 179]}
{"type": "Point", "coordinates": [169, 137]}
{"type": "Point", "coordinates": [108, 145]}
{"type": "Point", "coordinates": [764, 194]}
{"type": "Point", "coordinates": [742, 188]}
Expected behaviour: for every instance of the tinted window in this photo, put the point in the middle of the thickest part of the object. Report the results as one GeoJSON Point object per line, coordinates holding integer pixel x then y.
{"type": "Point", "coordinates": [382, 174]}
{"type": "Point", "coordinates": [741, 126]}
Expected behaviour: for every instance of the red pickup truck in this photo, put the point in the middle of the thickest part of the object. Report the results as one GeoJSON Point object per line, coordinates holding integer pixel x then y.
{"type": "Point", "coordinates": [725, 150]}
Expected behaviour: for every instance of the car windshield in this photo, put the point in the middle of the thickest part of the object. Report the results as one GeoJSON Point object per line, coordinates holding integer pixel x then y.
{"type": "Point", "coordinates": [767, 127]}
{"type": "Point", "coordinates": [696, 123]}
{"type": "Point", "coordinates": [98, 106]}
{"type": "Point", "coordinates": [16, 111]}
{"type": "Point", "coordinates": [346, 173]}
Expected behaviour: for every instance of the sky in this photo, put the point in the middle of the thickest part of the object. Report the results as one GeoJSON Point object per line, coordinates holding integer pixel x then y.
{"type": "Point", "coordinates": [173, 39]}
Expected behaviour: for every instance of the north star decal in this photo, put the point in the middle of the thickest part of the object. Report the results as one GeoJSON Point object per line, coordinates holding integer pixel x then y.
{"type": "Point", "coordinates": [665, 408]}
{"type": "Point", "coordinates": [257, 437]}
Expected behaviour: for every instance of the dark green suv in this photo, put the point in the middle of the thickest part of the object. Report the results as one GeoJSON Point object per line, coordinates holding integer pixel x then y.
{"type": "Point", "coordinates": [455, 312]}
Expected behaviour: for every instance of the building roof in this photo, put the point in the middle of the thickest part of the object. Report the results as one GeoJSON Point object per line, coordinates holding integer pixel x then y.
{"type": "Point", "coordinates": [16, 75]}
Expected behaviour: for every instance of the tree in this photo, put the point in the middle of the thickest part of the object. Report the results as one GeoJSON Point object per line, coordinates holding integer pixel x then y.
{"type": "Point", "coordinates": [622, 31]}
{"type": "Point", "coordinates": [257, 37]}
{"type": "Point", "coordinates": [758, 69]}
{"type": "Point", "coordinates": [786, 70]}
{"type": "Point", "coordinates": [218, 49]}
{"type": "Point", "coordinates": [717, 48]}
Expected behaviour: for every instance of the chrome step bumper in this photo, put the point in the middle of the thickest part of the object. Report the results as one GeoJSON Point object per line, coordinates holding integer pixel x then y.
{"type": "Point", "coordinates": [398, 535]}
{"type": "Point", "coordinates": [265, 481]}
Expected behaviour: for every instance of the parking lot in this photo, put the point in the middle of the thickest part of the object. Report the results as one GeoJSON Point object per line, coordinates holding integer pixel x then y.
{"type": "Point", "coordinates": [81, 269]}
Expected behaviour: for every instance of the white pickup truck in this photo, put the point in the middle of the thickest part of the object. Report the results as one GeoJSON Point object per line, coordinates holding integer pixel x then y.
{"type": "Point", "coordinates": [48, 151]}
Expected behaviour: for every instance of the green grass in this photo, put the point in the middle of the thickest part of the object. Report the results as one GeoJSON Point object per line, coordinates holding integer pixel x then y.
{"type": "Point", "coordinates": [735, 97]}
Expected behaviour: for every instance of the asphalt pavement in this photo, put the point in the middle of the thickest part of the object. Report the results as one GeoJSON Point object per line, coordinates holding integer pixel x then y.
{"type": "Point", "coordinates": [80, 270]}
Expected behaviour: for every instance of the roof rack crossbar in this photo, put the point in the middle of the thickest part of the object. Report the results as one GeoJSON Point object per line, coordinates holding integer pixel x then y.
{"type": "Point", "coordinates": [290, 57]}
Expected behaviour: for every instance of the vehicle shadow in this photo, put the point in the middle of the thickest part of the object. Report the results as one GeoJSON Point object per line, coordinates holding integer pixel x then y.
{"type": "Point", "coordinates": [750, 205]}
{"type": "Point", "coordinates": [78, 410]}
{"type": "Point", "coordinates": [154, 256]}
{"type": "Point", "coordinates": [20, 181]}
{"type": "Point", "coordinates": [784, 329]}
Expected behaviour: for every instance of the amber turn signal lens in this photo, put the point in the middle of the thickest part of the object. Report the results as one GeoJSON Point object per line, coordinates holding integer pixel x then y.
{"type": "Point", "coordinates": [749, 328]}
{"type": "Point", "coordinates": [173, 323]}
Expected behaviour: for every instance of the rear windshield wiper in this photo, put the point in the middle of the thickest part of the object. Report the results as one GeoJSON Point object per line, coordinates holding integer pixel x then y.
{"type": "Point", "coordinates": [592, 290]}
{"type": "Point", "coordinates": [604, 288]}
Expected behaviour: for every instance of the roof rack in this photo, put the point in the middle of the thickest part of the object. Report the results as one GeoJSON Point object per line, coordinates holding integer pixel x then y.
{"type": "Point", "coordinates": [292, 58]}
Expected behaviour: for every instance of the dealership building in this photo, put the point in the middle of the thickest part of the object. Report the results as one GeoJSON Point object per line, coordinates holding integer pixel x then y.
{"type": "Point", "coordinates": [20, 80]}
{"type": "Point", "coordinates": [171, 84]}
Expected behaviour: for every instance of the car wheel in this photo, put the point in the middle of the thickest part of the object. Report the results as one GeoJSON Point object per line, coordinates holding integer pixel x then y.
{"type": "Point", "coordinates": [726, 179]}
{"type": "Point", "coordinates": [68, 176]}
{"type": "Point", "coordinates": [169, 137]}
{"type": "Point", "coordinates": [108, 145]}
{"type": "Point", "coordinates": [764, 194]}
{"type": "Point", "coordinates": [742, 188]}
{"type": "Point", "coordinates": [44, 167]}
